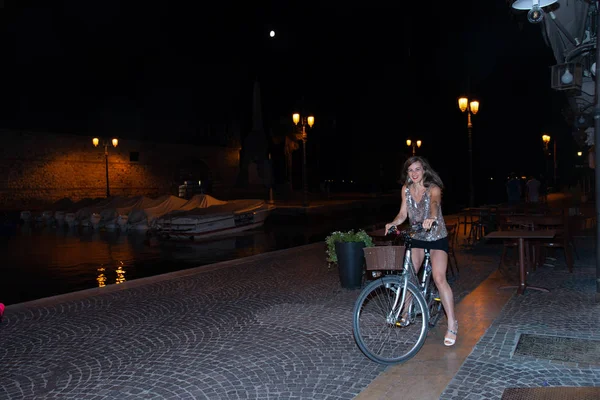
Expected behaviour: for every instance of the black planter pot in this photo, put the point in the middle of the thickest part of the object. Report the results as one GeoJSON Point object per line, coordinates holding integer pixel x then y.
{"type": "Point", "coordinates": [351, 260]}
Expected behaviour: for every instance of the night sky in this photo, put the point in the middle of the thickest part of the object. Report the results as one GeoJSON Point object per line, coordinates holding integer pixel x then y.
{"type": "Point", "coordinates": [373, 76]}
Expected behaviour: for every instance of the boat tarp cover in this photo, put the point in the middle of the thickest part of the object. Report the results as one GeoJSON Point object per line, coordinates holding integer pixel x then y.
{"type": "Point", "coordinates": [229, 208]}
{"type": "Point", "coordinates": [97, 207]}
{"type": "Point", "coordinates": [201, 201]}
{"type": "Point", "coordinates": [170, 204]}
{"type": "Point", "coordinates": [149, 214]}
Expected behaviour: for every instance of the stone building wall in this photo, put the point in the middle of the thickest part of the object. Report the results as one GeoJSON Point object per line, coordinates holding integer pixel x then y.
{"type": "Point", "coordinates": [37, 169]}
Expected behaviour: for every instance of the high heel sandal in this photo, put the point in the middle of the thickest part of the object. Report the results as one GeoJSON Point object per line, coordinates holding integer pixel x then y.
{"type": "Point", "coordinates": [404, 321]}
{"type": "Point", "coordinates": [449, 341]}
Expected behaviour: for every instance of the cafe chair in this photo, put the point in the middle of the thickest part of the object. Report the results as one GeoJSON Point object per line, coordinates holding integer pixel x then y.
{"type": "Point", "coordinates": [452, 237]}
{"type": "Point", "coordinates": [481, 224]}
{"type": "Point", "coordinates": [466, 218]}
{"type": "Point", "coordinates": [562, 240]}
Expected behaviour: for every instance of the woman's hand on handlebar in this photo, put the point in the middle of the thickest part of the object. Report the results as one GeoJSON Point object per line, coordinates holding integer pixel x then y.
{"type": "Point", "coordinates": [428, 223]}
{"type": "Point", "coordinates": [390, 228]}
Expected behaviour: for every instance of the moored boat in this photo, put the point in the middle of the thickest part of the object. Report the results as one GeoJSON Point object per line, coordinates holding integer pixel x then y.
{"type": "Point", "coordinates": [203, 223]}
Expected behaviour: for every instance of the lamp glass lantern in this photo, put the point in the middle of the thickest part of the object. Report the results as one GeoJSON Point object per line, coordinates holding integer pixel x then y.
{"type": "Point", "coordinates": [546, 139]}
{"type": "Point", "coordinates": [463, 103]}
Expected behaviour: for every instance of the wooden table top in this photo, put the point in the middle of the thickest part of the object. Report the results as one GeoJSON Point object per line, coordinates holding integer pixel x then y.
{"type": "Point", "coordinates": [477, 209]}
{"type": "Point", "coordinates": [522, 233]}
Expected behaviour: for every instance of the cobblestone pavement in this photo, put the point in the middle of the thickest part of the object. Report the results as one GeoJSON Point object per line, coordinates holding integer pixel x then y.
{"type": "Point", "coordinates": [273, 326]}
{"type": "Point", "coordinates": [569, 310]}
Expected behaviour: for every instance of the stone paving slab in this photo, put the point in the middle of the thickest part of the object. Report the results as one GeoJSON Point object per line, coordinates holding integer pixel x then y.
{"type": "Point", "coordinates": [569, 310]}
{"type": "Point", "coordinates": [271, 326]}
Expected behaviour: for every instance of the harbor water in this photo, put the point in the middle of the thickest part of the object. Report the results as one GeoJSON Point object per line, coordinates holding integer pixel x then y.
{"type": "Point", "coordinates": [46, 261]}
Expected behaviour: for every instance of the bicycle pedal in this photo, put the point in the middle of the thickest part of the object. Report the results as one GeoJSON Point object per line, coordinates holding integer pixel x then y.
{"type": "Point", "coordinates": [437, 299]}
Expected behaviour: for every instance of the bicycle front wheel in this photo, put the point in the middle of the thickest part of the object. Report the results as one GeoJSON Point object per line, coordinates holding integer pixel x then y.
{"type": "Point", "coordinates": [385, 331]}
{"type": "Point", "coordinates": [434, 303]}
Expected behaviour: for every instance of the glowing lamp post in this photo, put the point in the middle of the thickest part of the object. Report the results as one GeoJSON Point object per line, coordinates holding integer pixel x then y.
{"type": "Point", "coordinates": [115, 143]}
{"type": "Point", "coordinates": [546, 140]}
{"type": "Point", "coordinates": [416, 144]}
{"type": "Point", "coordinates": [470, 108]}
{"type": "Point", "coordinates": [304, 121]}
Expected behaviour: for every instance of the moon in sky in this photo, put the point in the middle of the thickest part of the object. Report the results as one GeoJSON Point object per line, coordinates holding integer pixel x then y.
{"type": "Point", "coordinates": [272, 33]}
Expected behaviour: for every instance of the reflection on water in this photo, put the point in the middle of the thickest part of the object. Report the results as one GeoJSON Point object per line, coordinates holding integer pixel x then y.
{"type": "Point", "coordinates": [41, 262]}
{"type": "Point", "coordinates": [119, 272]}
{"type": "Point", "coordinates": [101, 277]}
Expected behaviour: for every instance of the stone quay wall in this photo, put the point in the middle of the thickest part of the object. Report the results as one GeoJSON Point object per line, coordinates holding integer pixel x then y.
{"type": "Point", "coordinates": [40, 169]}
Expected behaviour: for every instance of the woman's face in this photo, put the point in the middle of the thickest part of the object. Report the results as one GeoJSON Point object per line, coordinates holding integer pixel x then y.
{"type": "Point", "coordinates": [415, 172]}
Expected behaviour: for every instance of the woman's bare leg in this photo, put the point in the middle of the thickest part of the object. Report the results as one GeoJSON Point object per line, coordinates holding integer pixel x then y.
{"type": "Point", "coordinates": [439, 264]}
{"type": "Point", "coordinates": [417, 256]}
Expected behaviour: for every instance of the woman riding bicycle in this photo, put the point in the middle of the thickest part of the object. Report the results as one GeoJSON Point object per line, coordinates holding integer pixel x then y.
{"type": "Point", "coordinates": [421, 203]}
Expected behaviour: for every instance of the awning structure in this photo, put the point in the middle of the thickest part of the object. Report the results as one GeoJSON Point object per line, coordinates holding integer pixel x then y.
{"type": "Point", "coordinates": [570, 30]}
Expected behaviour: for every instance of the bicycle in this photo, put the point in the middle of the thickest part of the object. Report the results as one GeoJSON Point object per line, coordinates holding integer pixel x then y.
{"type": "Point", "coordinates": [394, 312]}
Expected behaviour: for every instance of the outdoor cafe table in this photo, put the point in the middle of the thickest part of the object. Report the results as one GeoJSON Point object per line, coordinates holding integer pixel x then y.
{"type": "Point", "coordinates": [522, 236]}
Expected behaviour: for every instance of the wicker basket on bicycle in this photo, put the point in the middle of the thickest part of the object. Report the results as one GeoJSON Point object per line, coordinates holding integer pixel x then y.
{"type": "Point", "coordinates": [387, 258]}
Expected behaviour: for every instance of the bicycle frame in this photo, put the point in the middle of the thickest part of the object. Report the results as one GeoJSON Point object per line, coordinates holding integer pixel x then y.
{"type": "Point", "coordinates": [409, 273]}
{"type": "Point", "coordinates": [427, 271]}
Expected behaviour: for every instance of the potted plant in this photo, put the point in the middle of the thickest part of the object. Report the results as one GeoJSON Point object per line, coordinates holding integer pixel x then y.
{"type": "Point", "coordinates": [346, 249]}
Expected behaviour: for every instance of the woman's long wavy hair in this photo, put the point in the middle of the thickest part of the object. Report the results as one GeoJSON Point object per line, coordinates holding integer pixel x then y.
{"type": "Point", "coordinates": [429, 175]}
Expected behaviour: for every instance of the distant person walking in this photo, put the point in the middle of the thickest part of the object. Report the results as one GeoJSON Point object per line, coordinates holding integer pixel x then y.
{"type": "Point", "coordinates": [532, 190]}
{"type": "Point", "coordinates": [513, 189]}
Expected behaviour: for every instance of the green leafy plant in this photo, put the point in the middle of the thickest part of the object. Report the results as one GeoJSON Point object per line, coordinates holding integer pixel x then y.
{"type": "Point", "coordinates": [350, 236]}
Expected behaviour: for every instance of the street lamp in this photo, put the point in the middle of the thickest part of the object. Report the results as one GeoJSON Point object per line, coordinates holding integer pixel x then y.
{"type": "Point", "coordinates": [546, 140]}
{"type": "Point", "coordinates": [310, 121]}
{"type": "Point", "coordinates": [469, 108]}
{"type": "Point", "coordinates": [414, 145]}
{"type": "Point", "coordinates": [535, 14]}
{"type": "Point", "coordinates": [115, 143]}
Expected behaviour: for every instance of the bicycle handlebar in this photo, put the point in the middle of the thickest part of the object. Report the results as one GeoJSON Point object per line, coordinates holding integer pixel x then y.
{"type": "Point", "coordinates": [408, 233]}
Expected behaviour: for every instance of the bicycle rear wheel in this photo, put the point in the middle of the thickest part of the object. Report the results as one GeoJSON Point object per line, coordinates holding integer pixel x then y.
{"type": "Point", "coordinates": [381, 336]}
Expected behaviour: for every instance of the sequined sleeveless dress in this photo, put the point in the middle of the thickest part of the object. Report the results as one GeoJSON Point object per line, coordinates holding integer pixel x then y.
{"type": "Point", "coordinates": [418, 212]}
